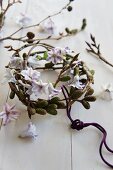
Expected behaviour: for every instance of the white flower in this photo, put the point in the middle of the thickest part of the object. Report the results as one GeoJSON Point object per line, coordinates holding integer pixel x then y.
{"type": "Point", "coordinates": [56, 55]}
{"type": "Point", "coordinates": [47, 26]}
{"type": "Point", "coordinates": [8, 114]}
{"type": "Point", "coordinates": [107, 92]}
{"type": "Point", "coordinates": [38, 88]}
{"type": "Point", "coordinates": [30, 132]}
{"type": "Point", "coordinates": [9, 76]}
{"type": "Point", "coordinates": [15, 62]}
{"type": "Point", "coordinates": [34, 62]}
{"type": "Point", "coordinates": [52, 91]}
{"type": "Point", "coordinates": [30, 74]}
{"type": "Point", "coordinates": [23, 20]}
{"type": "Point", "coordinates": [76, 83]}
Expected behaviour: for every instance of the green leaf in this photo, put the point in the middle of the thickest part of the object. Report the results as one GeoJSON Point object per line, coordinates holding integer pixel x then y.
{"type": "Point", "coordinates": [85, 104]}
{"type": "Point", "coordinates": [12, 94]}
{"type": "Point", "coordinates": [76, 71]}
{"type": "Point", "coordinates": [41, 111]}
{"type": "Point", "coordinates": [75, 94]}
{"type": "Point", "coordinates": [41, 103]}
{"type": "Point", "coordinates": [45, 55]}
{"type": "Point", "coordinates": [92, 72]}
{"type": "Point", "coordinates": [39, 57]}
{"type": "Point", "coordinates": [54, 100]}
{"type": "Point", "coordinates": [52, 111]}
{"type": "Point", "coordinates": [89, 92]}
{"type": "Point", "coordinates": [65, 78]}
{"type": "Point", "coordinates": [90, 98]}
{"type": "Point", "coordinates": [52, 106]}
{"type": "Point", "coordinates": [61, 105]}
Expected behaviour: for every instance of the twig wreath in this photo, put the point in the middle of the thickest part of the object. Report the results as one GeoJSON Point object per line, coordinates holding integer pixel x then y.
{"type": "Point", "coordinates": [25, 80]}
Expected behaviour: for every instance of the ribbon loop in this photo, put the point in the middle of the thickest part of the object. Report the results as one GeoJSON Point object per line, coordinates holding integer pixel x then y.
{"type": "Point", "coordinates": [77, 124]}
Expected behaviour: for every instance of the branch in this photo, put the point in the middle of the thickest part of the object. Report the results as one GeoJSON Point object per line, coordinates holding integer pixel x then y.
{"type": "Point", "coordinates": [94, 48]}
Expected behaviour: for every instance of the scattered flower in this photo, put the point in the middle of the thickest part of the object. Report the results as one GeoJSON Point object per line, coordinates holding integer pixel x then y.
{"type": "Point", "coordinates": [23, 20]}
{"type": "Point", "coordinates": [52, 91]}
{"type": "Point", "coordinates": [47, 26]}
{"type": "Point", "coordinates": [76, 83]}
{"type": "Point", "coordinates": [30, 74]}
{"type": "Point", "coordinates": [15, 62]}
{"type": "Point", "coordinates": [57, 54]}
{"type": "Point", "coordinates": [8, 114]}
{"type": "Point", "coordinates": [107, 92]}
{"type": "Point", "coordinates": [30, 132]}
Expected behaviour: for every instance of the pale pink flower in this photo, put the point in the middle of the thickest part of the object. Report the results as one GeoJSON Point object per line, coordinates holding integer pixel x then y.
{"type": "Point", "coordinates": [23, 20]}
{"type": "Point", "coordinates": [9, 76]}
{"type": "Point", "coordinates": [107, 92]}
{"type": "Point", "coordinates": [52, 91]}
{"type": "Point", "coordinates": [76, 83]}
{"type": "Point", "coordinates": [38, 88]}
{"type": "Point", "coordinates": [9, 113]}
{"type": "Point", "coordinates": [30, 132]}
{"type": "Point", "coordinates": [15, 62]}
{"type": "Point", "coordinates": [34, 62]}
{"type": "Point", "coordinates": [57, 54]}
{"type": "Point", "coordinates": [47, 26]}
{"type": "Point", "coordinates": [30, 74]}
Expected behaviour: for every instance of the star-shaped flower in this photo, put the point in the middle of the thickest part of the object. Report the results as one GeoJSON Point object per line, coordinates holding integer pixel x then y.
{"type": "Point", "coordinates": [9, 113]}
{"type": "Point", "coordinates": [34, 62]}
{"type": "Point", "coordinates": [52, 91]}
{"type": "Point", "coordinates": [30, 74]}
{"type": "Point", "coordinates": [57, 54]}
{"type": "Point", "coordinates": [76, 83]}
{"type": "Point", "coordinates": [38, 88]}
{"type": "Point", "coordinates": [15, 62]}
{"type": "Point", "coordinates": [30, 132]}
{"type": "Point", "coordinates": [23, 20]}
{"type": "Point", "coordinates": [47, 26]}
{"type": "Point", "coordinates": [107, 92]}
{"type": "Point", "coordinates": [9, 76]}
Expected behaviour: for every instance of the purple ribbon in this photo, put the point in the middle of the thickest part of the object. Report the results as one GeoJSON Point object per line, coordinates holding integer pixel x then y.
{"type": "Point", "coordinates": [79, 125]}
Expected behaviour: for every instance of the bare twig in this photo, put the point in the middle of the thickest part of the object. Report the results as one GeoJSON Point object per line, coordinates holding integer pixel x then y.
{"type": "Point", "coordinates": [94, 48]}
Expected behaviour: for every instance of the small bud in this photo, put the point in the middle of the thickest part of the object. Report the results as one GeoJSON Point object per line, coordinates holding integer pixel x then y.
{"type": "Point", "coordinates": [84, 24]}
{"type": "Point", "coordinates": [67, 30]}
{"type": "Point", "coordinates": [24, 56]}
{"type": "Point", "coordinates": [69, 8]}
{"type": "Point", "coordinates": [30, 35]}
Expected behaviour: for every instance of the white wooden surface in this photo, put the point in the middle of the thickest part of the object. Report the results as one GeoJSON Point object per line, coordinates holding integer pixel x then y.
{"type": "Point", "coordinates": [52, 150]}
